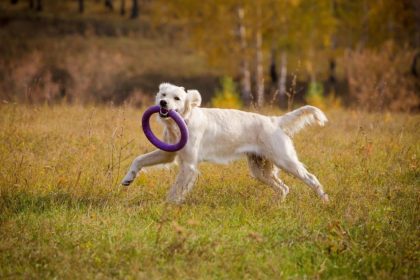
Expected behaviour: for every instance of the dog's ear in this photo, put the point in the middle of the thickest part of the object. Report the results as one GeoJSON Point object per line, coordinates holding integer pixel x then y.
{"type": "Point", "coordinates": [194, 97]}
{"type": "Point", "coordinates": [193, 100]}
{"type": "Point", "coordinates": [164, 86]}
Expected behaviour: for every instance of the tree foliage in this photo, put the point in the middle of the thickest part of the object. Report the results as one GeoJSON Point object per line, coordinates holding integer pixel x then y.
{"type": "Point", "coordinates": [310, 31]}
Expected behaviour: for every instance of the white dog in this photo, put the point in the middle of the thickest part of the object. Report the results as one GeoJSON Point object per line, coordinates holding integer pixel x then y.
{"type": "Point", "coordinates": [222, 135]}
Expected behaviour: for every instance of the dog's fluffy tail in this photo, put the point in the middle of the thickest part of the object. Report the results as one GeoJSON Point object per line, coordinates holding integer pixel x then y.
{"type": "Point", "coordinates": [294, 121]}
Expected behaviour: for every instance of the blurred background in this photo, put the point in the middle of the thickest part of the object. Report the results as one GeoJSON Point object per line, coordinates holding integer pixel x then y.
{"type": "Point", "coordinates": [329, 53]}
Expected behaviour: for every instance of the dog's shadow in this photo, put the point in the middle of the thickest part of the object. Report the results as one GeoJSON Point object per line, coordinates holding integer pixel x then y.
{"type": "Point", "coordinates": [256, 195]}
{"type": "Point", "coordinates": [25, 202]}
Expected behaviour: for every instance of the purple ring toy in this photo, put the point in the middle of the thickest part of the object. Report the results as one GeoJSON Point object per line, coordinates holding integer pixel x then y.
{"type": "Point", "coordinates": [145, 121]}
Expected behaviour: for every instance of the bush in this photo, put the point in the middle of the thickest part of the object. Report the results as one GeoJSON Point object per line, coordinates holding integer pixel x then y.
{"type": "Point", "coordinates": [315, 97]}
{"type": "Point", "coordinates": [380, 79]}
{"type": "Point", "coordinates": [315, 94]}
{"type": "Point", "coordinates": [227, 96]}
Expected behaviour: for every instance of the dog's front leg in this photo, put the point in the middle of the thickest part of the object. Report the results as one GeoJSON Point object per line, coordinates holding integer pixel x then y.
{"type": "Point", "coordinates": [183, 184]}
{"type": "Point", "coordinates": [152, 158]}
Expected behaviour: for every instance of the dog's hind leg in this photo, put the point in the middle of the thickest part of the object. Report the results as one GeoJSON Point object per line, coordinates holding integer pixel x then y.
{"type": "Point", "coordinates": [183, 184]}
{"type": "Point", "coordinates": [296, 168]}
{"type": "Point", "coordinates": [149, 159]}
{"type": "Point", "coordinates": [265, 171]}
{"type": "Point", "coordinates": [284, 156]}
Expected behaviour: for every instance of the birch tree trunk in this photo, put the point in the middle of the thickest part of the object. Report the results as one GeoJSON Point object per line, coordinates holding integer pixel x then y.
{"type": "Point", "coordinates": [259, 75]}
{"type": "Point", "coordinates": [245, 76]}
{"type": "Point", "coordinates": [283, 79]}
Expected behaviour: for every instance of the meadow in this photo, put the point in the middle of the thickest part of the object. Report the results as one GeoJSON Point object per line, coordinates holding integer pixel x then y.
{"type": "Point", "coordinates": [64, 215]}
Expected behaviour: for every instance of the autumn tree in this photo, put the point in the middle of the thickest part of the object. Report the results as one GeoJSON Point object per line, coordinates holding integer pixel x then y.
{"type": "Point", "coordinates": [239, 36]}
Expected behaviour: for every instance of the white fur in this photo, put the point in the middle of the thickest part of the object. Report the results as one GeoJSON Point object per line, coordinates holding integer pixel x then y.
{"type": "Point", "coordinates": [223, 135]}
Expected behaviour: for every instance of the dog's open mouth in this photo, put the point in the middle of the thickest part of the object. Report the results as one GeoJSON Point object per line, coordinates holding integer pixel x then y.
{"type": "Point", "coordinates": [163, 112]}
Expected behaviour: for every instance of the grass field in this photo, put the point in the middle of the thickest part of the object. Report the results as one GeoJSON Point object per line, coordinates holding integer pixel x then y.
{"type": "Point", "coordinates": [63, 214]}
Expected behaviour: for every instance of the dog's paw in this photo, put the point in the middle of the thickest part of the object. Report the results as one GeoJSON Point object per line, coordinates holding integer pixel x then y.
{"type": "Point", "coordinates": [284, 194]}
{"type": "Point", "coordinates": [128, 179]}
{"type": "Point", "coordinates": [126, 183]}
{"type": "Point", "coordinates": [325, 198]}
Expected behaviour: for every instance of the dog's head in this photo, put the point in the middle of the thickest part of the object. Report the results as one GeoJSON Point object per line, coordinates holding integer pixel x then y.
{"type": "Point", "coordinates": [171, 97]}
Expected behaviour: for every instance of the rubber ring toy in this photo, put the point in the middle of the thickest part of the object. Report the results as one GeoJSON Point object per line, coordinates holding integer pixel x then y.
{"type": "Point", "coordinates": [154, 140]}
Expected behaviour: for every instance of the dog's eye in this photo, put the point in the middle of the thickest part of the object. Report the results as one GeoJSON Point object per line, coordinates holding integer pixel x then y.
{"type": "Point", "coordinates": [163, 94]}
{"type": "Point", "coordinates": [177, 98]}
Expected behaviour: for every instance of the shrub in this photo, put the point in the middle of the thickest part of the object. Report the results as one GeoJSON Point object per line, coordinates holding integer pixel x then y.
{"type": "Point", "coordinates": [380, 79]}
{"type": "Point", "coordinates": [227, 96]}
{"type": "Point", "coordinates": [315, 97]}
{"type": "Point", "coordinates": [315, 94]}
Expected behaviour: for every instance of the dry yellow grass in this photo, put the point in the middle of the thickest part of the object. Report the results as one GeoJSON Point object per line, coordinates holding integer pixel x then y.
{"type": "Point", "coordinates": [64, 215]}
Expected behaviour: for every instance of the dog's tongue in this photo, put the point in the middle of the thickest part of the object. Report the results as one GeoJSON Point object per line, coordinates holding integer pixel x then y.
{"type": "Point", "coordinates": [163, 111]}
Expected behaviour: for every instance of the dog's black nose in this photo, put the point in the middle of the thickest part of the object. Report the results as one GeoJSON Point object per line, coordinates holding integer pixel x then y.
{"type": "Point", "coordinates": [163, 103]}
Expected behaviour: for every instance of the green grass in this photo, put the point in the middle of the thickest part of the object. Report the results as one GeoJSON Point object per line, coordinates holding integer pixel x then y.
{"type": "Point", "coordinates": [63, 214]}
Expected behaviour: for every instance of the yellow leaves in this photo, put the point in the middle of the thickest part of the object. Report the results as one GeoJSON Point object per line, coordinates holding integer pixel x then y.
{"type": "Point", "coordinates": [315, 96]}
{"type": "Point", "coordinates": [227, 100]}
{"type": "Point", "coordinates": [326, 39]}
{"type": "Point", "coordinates": [227, 97]}
{"type": "Point", "coordinates": [294, 3]}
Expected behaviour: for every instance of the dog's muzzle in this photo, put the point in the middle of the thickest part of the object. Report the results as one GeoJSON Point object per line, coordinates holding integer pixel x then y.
{"type": "Point", "coordinates": [163, 112]}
